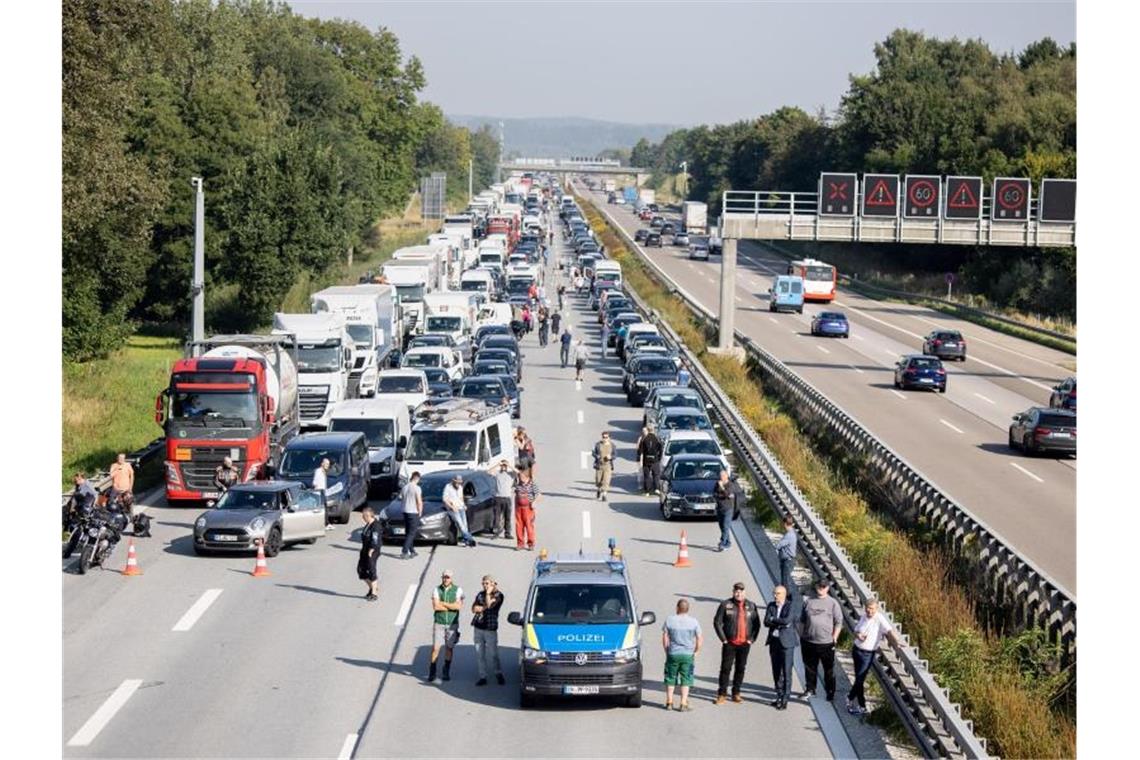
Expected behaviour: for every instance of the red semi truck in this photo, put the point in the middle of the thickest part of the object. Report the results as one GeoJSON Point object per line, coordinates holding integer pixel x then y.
{"type": "Point", "coordinates": [233, 395]}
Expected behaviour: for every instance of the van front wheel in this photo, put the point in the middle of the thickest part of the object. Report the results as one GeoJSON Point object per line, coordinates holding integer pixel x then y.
{"type": "Point", "coordinates": [633, 700]}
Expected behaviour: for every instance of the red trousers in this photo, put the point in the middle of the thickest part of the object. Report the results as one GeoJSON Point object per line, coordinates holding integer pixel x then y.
{"type": "Point", "coordinates": [524, 526]}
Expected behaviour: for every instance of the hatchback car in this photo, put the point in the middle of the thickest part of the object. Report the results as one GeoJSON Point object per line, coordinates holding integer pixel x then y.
{"type": "Point", "coordinates": [504, 355]}
{"type": "Point", "coordinates": [618, 321]}
{"type": "Point", "coordinates": [832, 323]}
{"type": "Point", "coordinates": [656, 223]}
{"type": "Point", "coordinates": [1064, 395]}
{"type": "Point", "coordinates": [435, 524]}
{"type": "Point", "coordinates": [916, 371]}
{"type": "Point", "coordinates": [681, 239]}
{"type": "Point", "coordinates": [668, 228]}
{"type": "Point", "coordinates": [647, 372]}
{"type": "Point", "coordinates": [489, 388]}
{"type": "Point", "coordinates": [687, 486]}
{"type": "Point", "coordinates": [674, 442]}
{"type": "Point", "coordinates": [1038, 429]}
{"type": "Point", "coordinates": [439, 383]}
{"type": "Point", "coordinates": [653, 239]}
{"type": "Point", "coordinates": [277, 513]}
{"type": "Point", "coordinates": [490, 367]}
{"type": "Point", "coordinates": [640, 235]}
{"type": "Point", "coordinates": [699, 252]}
{"type": "Point", "coordinates": [670, 397]}
{"type": "Point", "coordinates": [945, 344]}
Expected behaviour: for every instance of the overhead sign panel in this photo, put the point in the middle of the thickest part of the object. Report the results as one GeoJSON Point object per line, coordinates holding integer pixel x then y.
{"type": "Point", "coordinates": [1010, 200]}
{"type": "Point", "coordinates": [1058, 201]}
{"type": "Point", "coordinates": [881, 195]}
{"type": "Point", "coordinates": [963, 198]}
{"type": "Point", "coordinates": [837, 194]}
{"type": "Point", "coordinates": [923, 196]}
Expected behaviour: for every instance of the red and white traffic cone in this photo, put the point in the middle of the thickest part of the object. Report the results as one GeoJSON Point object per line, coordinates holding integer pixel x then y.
{"type": "Point", "coordinates": [132, 567]}
{"type": "Point", "coordinates": [683, 553]}
{"type": "Point", "coordinates": [261, 569]}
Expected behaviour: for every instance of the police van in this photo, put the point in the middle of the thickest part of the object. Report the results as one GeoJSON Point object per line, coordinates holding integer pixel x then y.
{"type": "Point", "coordinates": [581, 631]}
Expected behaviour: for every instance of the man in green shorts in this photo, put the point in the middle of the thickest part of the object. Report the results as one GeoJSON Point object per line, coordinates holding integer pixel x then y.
{"type": "Point", "coordinates": [682, 639]}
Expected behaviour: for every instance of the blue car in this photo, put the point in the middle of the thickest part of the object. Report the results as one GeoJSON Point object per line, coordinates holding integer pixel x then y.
{"type": "Point", "coordinates": [833, 323]}
{"type": "Point", "coordinates": [917, 371]}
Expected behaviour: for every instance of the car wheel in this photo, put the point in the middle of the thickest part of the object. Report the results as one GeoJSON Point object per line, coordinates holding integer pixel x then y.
{"type": "Point", "coordinates": [897, 383]}
{"type": "Point", "coordinates": [527, 701]}
{"type": "Point", "coordinates": [1012, 442]}
{"type": "Point", "coordinates": [846, 336]}
{"type": "Point", "coordinates": [453, 535]}
{"type": "Point", "coordinates": [273, 543]}
{"type": "Point", "coordinates": [666, 510]}
{"type": "Point", "coordinates": [1027, 445]}
{"type": "Point", "coordinates": [942, 389]}
{"type": "Point", "coordinates": [309, 541]}
{"type": "Point", "coordinates": [800, 310]}
{"type": "Point", "coordinates": [633, 700]}
{"type": "Point", "coordinates": [343, 519]}
{"type": "Point", "coordinates": [200, 550]}
{"type": "Point", "coordinates": [962, 358]}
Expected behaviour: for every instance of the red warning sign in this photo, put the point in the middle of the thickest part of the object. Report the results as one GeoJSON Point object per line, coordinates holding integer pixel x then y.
{"type": "Point", "coordinates": [923, 194]}
{"type": "Point", "coordinates": [963, 197]}
{"type": "Point", "coordinates": [880, 195]}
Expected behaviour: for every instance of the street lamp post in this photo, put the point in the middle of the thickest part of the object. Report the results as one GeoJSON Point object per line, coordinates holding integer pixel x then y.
{"type": "Point", "coordinates": [198, 285]}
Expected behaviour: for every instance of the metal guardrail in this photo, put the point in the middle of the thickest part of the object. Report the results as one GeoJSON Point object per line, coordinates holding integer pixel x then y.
{"type": "Point", "coordinates": [101, 481]}
{"type": "Point", "coordinates": [933, 720]}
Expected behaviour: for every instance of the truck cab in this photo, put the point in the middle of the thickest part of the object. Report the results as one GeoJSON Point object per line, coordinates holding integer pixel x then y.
{"type": "Point", "coordinates": [581, 630]}
{"type": "Point", "coordinates": [324, 357]}
{"type": "Point", "coordinates": [787, 294]}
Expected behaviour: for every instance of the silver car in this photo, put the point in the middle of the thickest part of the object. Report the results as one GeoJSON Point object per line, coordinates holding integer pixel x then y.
{"type": "Point", "coordinates": [278, 513]}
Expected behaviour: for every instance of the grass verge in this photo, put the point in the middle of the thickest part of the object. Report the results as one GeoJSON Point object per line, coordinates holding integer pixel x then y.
{"type": "Point", "coordinates": [1007, 685]}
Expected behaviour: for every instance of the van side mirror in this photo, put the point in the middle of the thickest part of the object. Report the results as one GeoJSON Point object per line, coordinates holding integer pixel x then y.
{"type": "Point", "coordinates": [647, 618]}
{"type": "Point", "coordinates": [402, 442]}
{"type": "Point", "coordinates": [158, 407]}
{"type": "Point", "coordinates": [515, 618]}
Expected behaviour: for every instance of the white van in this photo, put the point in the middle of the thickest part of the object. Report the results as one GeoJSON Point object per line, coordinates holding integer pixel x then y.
{"type": "Point", "coordinates": [459, 433]}
{"type": "Point", "coordinates": [406, 386]}
{"type": "Point", "coordinates": [478, 281]}
{"type": "Point", "coordinates": [492, 255]}
{"type": "Point", "coordinates": [607, 269]}
{"type": "Point", "coordinates": [386, 424]}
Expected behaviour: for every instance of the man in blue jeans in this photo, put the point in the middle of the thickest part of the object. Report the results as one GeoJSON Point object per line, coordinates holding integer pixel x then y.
{"type": "Point", "coordinates": [413, 509]}
{"type": "Point", "coordinates": [457, 508]}
{"type": "Point", "coordinates": [727, 507]}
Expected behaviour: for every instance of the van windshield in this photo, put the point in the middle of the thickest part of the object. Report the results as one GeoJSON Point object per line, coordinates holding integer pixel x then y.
{"type": "Point", "coordinates": [400, 384]}
{"type": "Point", "coordinates": [410, 293]}
{"type": "Point", "coordinates": [581, 605]}
{"type": "Point", "coordinates": [300, 464]}
{"type": "Point", "coordinates": [444, 324]}
{"type": "Point", "coordinates": [379, 433]}
{"type": "Point", "coordinates": [423, 360]}
{"type": "Point", "coordinates": [441, 445]}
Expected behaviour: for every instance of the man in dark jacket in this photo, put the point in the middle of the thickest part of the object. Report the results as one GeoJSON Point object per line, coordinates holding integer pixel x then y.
{"type": "Point", "coordinates": [727, 497]}
{"type": "Point", "coordinates": [649, 454]}
{"type": "Point", "coordinates": [782, 642]}
{"type": "Point", "coordinates": [737, 624]}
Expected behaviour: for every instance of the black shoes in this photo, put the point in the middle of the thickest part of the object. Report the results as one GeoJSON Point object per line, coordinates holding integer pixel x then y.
{"type": "Point", "coordinates": [481, 682]}
{"type": "Point", "coordinates": [431, 673]}
{"type": "Point", "coordinates": [447, 671]}
{"type": "Point", "coordinates": [499, 678]}
{"type": "Point", "coordinates": [371, 597]}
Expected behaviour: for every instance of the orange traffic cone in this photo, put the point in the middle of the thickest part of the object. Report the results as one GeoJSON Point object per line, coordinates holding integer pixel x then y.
{"type": "Point", "coordinates": [132, 567]}
{"type": "Point", "coordinates": [683, 553]}
{"type": "Point", "coordinates": [261, 569]}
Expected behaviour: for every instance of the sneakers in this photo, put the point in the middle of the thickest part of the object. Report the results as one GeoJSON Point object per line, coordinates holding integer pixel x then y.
{"type": "Point", "coordinates": [853, 708]}
{"type": "Point", "coordinates": [371, 597]}
{"type": "Point", "coordinates": [605, 497]}
{"type": "Point", "coordinates": [720, 699]}
{"type": "Point", "coordinates": [685, 707]}
{"type": "Point", "coordinates": [481, 682]}
{"type": "Point", "coordinates": [329, 527]}
{"type": "Point", "coordinates": [808, 694]}
{"type": "Point", "coordinates": [499, 679]}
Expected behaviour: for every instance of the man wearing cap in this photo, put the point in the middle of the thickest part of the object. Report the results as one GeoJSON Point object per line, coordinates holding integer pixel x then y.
{"type": "Point", "coordinates": [737, 624]}
{"type": "Point", "coordinates": [446, 602]}
{"type": "Point", "coordinates": [504, 495]}
{"type": "Point", "coordinates": [821, 620]}
{"type": "Point", "coordinates": [486, 630]}
{"type": "Point", "coordinates": [457, 508]}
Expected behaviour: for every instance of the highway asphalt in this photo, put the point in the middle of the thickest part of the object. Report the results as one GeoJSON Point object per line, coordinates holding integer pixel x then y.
{"type": "Point", "coordinates": [196, 658]}
{"type": "Point", "coordinates": [959, 439]}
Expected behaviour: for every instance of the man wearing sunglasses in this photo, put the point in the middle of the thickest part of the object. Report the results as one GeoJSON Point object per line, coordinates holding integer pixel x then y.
{"type": "Point", "coordinates": [446, 602]}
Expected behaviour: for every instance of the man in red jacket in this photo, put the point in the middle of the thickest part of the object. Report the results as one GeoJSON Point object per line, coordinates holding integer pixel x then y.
{"type": "Point", "coordinates": [737, 624]}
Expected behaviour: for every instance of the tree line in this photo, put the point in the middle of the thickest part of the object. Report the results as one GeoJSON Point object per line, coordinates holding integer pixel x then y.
{"type": "Point", "coordinates": [305, 132]}
{"type": "Point", "coordinates": [930, 106]}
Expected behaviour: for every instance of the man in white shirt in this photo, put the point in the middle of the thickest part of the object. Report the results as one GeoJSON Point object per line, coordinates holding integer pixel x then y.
{"type": "Point", "coordinates": [870, 631]}
{"type": "Point", "coordinates": [457, 508]}
{"type": "Point", "coordinates": [321, 483]}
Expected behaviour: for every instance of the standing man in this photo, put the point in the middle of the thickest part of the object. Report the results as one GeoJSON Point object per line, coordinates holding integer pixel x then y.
{"type": "Point", "coordinates": [321, 483]}
{"type": "Point", "coordinates": [446, 602]}
{"type": "Point", "coordinates": [225, 475]}
{"type": "Point", "coordinates": [370, 540]}
{"type": "Point", "coordinates": [649, 454]}
{"type": "Point", "coordinates": [82, 499]}
{"type": "Point", "coordinates": [580, 355]}
{"type": "Point", "coordinates": [122, 477]}
{"type": "Point", "coordinates": [526, 498]}
{"type": "Point", "coordinates": [566, 339]}
{"type": "Point", "coordinates": [504, 495]}
{"type": "Point", "coordinates": [486, 624]}
{"type": "Point", "coordinates": [683, 377]}
{"type": "Point", "coordinates": [782, 642]}
{"type": "Point", "coordinates": [605, 336]}
{"type": "Point", "coordinates": [821, 620]}
{"type": "Point", "coordinates": [543, 326]}
{"type": "Point", "coordinates": [786, 551]}
{"type": "Point", "coordinates": [681, 637]}
{"type": "Point", "coordinates": [870, 631]}
{"type": "Point", "coordinates": [604, 452]}
{"type": "Point", "coordinates": [556, 319]}
{"type": "Point", "coordinates": [561, 296]}
{"type": "Point", "coordinates": [457, 508]}
{"type": "Point", "coordinates": [412, 497]}
{"type": "Point", "coordinates": [737, 625]}
{"type": "Point", "coordinates": [727, 497]}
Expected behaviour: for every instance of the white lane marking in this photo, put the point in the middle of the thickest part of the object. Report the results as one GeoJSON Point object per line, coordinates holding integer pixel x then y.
{"type": "Point", "coordinates": [739, 299]}
{"type": "Point", "coordinates": [889, 352]}
{"type": "Point", "coordinates": [983, 398]}
{"type": "Point", "coordinates": [583, 460]}
{"type": "Point", "coordinates": [406, 605]}
{"type": "Point", "coordinates": [947, 424]}
{"type": "Point", "coordinates": [900, 395]}
{"type": "Point", "coordinates": [821, 348]}
{"type": "Point", "coordinates": [585, 523]}
{"type": "Point", "coordinates": [187, 621]}
{"type": "Point", "coordinates": [773, 320]}
{"type": "Point", "coordinates": [103, 715]}
{"type": "Point", "coordinates": [581, 417]}
{"type": "Point", "coordinates": [859, 337]}
{"type": "Point", "coordinates": [577, 385]}
{"type": "Point", "coordinates": [852, 366]}
{"type": "Point", "coordinates": [348, 746]}
{"type": "Point", "coordinates": [1027, 472]}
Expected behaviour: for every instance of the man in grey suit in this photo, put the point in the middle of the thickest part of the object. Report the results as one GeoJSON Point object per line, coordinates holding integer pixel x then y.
{"type": "Point", "coordinates": [782, 642]}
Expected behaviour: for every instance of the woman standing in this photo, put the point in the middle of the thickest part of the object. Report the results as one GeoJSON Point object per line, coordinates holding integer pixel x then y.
{"type": "Point", "coordinates": [370, 538]}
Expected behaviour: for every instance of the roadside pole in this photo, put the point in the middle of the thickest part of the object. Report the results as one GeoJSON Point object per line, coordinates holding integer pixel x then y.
{"type": "Point", "coordinates": [198, 285]}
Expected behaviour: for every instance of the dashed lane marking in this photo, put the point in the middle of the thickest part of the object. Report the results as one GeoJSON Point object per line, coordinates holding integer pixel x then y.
{"type": "Point", "coordinates": [585, 523]}
{"type": "Point", "coordinates": [583, 459]}
{"type": "Point", "coordinates": [947, 424]}
{"type": "Point", "coordinates": [1027, 472]}
{"type": "Point", "coordinates": [821, 348]}
{"type": "Point", "coordinates": [187, 621]}
{"type": "Point", "coordinates": [983, 398]}
{"type": "Point", "coordinates": [581, 417]}
{"type": "Point", "coordinates": [405, 606]}
{"type": "Point", "coordinates": [347, 748]}
{"type": "Point", "coordinates": [900, 395]}
{"type": "Point", "coordinates": [87, 733]}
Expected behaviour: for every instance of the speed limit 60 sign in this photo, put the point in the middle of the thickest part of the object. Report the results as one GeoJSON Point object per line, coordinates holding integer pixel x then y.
{"type": "Point", "coordinates": [923, 197]}
{"type": "Point", "coordinates": [1010, 201]}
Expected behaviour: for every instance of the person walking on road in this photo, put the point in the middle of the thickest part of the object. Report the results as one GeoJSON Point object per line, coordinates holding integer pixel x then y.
{"type": "Point", "coordinates": [604, 452]}
{"type": "Point", "coordinates": [543, 327]}
{"type": "Point", "coordinates": [556, 319]}
{"type": "Point", "coordinates": [681, 638]}
{"type": "Point", "coordinates": [526, 498]}
{"type": "Point", "coordinates": [370, 541]}
{"type": "Point", "coordinates": [786, 551]}
{"type": "Point", "coordinates": [446, 602]}
{"type": "Point", "coordinates": [737, 625]}
{"type": "Point", "coordinates": [821, 620]}
{"type": "Point", "coordinates": [580, 356]}
{"type": "Point", "coordinates": [457, 508]}
{"type": "Point", "coordinates": [412, 497]}
{"type": "Point", "coordinates": [870, 631]}
{"type": "Point", "coordinates": [487, 604]}
{"type": "Point", "coordinates": [649, 450]}
{"type": "Point", "coordinates": [122, 478]}
{"type": "Point", "coordinates": [226, 475]}
{"type": "Point", "coordinates": [567, 340]}
{"type": "Point", "coordinates": [321, 484]}
{"type": "Point", "coordinates": [727, 496]}
{"type": "Point", "coordinates": [782, 642]}
{"type": "Point", "coordinates": [605, 338]}
{"type": "Point", "coordinates": [525, 447]}
{"type": "Point", "coordinates": [561, 297]}
{"type": "Point", "coordinates": [504, 496]}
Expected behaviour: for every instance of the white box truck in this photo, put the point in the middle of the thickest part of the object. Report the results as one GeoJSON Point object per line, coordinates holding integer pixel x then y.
{"type": "Point", "coordinates": [647, 195]}
{"type": "Point", "coordinates": [372, 318]}
{"type": "Point", "coordinates": [609, 185]}
{"type": "Point", "coordinates": [454, 314]}
{"type": "Point", "coordinates": [412, 280]}
{"type": "Point", "coordinates": [324, 352]}
{"type": "Point", "coordinates": [436, 257]}
{"type": "Point", "coordinates": [694, 217]}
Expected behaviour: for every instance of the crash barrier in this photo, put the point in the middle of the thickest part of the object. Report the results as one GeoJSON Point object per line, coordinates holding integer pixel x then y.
{"type": "Point", "coordinates": [934, 721]}
{"type": "Point", "coordinates": [101, 481]}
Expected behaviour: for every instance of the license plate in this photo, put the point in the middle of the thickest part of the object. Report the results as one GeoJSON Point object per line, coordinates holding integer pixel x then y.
{"type": "Point", "coordinates": [949, 345]}
{"type": "Point", "coordinates": [210, 494]}
{"type": "Point", "coordinates": [926, 380]}
{"type": "Point", "coordinates": [580, 690]}
{"type": "Point", "coordinates": [1062, 435]}
{"type": "Point", "coordinates": [225, 538]}
{"type": "Point", "coordinates": [397, 531]}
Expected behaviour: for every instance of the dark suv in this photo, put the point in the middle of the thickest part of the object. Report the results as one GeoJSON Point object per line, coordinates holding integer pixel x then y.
{"type": "Point", "coordinates": [653, 238]}
{"type": "Point", "coordinates": [945, 344]}
{"type": "Point", "coordinates": [915, 371]}
{"type": "Point", "coordinates": [1038, 429]}
{"type": "Point", "coordinates": [649, 372]}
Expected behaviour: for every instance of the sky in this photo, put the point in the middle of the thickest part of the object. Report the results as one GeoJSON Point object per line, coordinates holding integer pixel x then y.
{"type": "Point", "coordinates": [671, 62]}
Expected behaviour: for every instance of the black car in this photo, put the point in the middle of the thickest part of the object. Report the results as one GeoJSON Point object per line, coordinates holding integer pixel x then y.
{"type": "Point", "coordinates": [614, 304]}
{"type": "Point", "coordinates": [439, 382]}
{"type": "Point", "coordinates": [945, 344]}
{"type": "Point", "coordinates": [640, 235]}
{"type": "Point", "coordinates": [504, 355]}
{"type": "Point", "coordinates": [435, 525]}
{"type": "Point", "coordinates": [656, 223]}
{"type": "Point", "coordinates": [1064, 395]}
{"type": "Point", "coordinates": [920, 372]}
{"type": "Point", "coordinates": [489, 388]}
{"type": "Point", "coordinates": [1039, 429]}
{"type": "Point", "coordinates": [490, 367]}
{"type": "Point", "coordinates": [485, 331]}
{"type": "Point", "coordinates": [653, 239]}
{"type": "Point", "coordinates": [687, 486]}
{"type": "Point", "coordinates": [649, 372]}
{"type": "Point", "coordinates": [668, 228]}
{"type": "Point", "coordinates": [514, 393]}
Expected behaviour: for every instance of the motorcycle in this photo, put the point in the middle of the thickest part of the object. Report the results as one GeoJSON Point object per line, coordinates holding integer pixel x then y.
{"type": "Point", "coordinates": [98, 532]}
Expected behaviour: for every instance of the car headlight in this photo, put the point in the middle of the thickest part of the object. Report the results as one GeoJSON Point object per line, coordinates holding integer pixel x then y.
{"type": "Point", "coordinates": [628, 655]}
{"type": "Point", "coordinates": [200, 523]}
{"type": "Point", "coordinates": [674, 496]}
{"type": "Point", "coordinates": [435, 518]}
{"type": "Point", "coordinates": [533, 654]}
{"type": "Point", "coordinates": [386, 466]}
{"type": "Point", "coordinates": [258, 524]}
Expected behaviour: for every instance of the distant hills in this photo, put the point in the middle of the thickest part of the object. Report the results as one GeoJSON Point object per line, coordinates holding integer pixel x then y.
{"type": "Point", "coordinates": [563, 137]}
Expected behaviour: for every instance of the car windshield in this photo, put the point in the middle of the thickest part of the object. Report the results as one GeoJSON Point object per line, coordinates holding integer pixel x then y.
{"type": "Point", "coordinates": [490, 367]}
{"type": "Point", "coordinates": [490, 388]}
{"type": "Point", "coordinates": [361, 333]}
{"type": "Point", "coordinates": [501, 354]}
{"type": "Point", "coordinates": [702, 470]}
{"type": "Point", "coordinates": [379, 433]}
{"type": "Point", "coordinates": [318, 358]}
{"type": "Point", "coordinates": [687, 421]}
{"type": "Point", "coordinates": [431, 486]}
{"type": "Point", "coordinates": [441, 445]}
{"type": "Point", "coordinates": [1057, 420]}
{"type": "Point", "coordinates": [437, 375]}
{"type": "Point", "coordinates": [574, 604]}
{"type": "Point", "coordinates": [509, 383]}
{"type": "Point", "coordinates": [236, 498]}
{"type": "Point", "coordinates": [422, 360]}
{"type": "Point", "coordinates": [221, 405]}
{"type": "Point", "coordinates": [692, 446]}
{"type": "Point", "coordinates": [302, 463]}
{"type": "Point", "coordinates": [656, 366]}
{"type": "Point", "coordinates": [473, 285]}
{"type": "Point", "coordinates": [444, 324]}
{"type": "Point", "coordinates": [400, 384]}
{"type": "Point", "coordinates": [518, 286]}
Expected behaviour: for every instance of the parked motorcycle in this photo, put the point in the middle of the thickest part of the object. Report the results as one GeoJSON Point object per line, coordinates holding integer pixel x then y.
{"type": "Point", "coordinates": [96, 534]}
